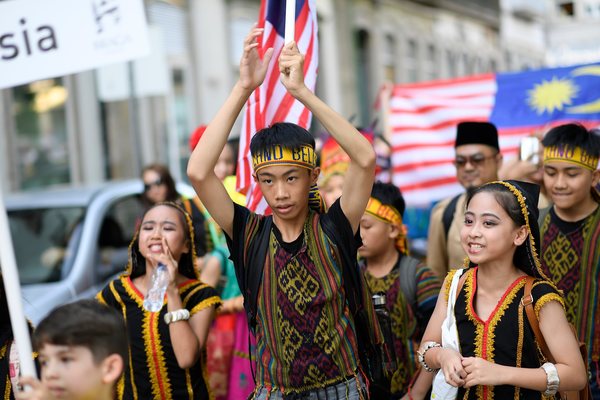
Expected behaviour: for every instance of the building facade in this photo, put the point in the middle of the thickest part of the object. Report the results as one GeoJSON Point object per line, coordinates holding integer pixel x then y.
{"type": "Point", "coordinates": [107, 123]}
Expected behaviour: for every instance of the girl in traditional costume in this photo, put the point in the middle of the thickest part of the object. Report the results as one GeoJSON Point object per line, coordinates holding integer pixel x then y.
{"type": "Point", "coordinates": [499, 357]}
{"type": "Point", "coordinates": [166, 347]}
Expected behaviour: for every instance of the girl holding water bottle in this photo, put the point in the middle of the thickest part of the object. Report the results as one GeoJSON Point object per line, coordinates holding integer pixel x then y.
{"type": "Point", "coordinates": [167, 309]}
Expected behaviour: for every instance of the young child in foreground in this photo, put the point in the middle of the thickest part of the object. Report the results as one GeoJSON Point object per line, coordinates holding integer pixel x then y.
{"type": "Point", "coordinates": [82, 351]}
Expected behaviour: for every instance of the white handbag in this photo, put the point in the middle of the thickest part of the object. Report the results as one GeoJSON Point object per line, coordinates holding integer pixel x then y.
{"type": "Point", "coordinates": [441, 390]}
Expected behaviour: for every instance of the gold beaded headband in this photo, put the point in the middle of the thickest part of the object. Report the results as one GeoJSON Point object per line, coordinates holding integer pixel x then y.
{"type": "Point", "coordinates": [574, 155]}
{"type": "Point", "coordinates": [389, 215]}
{"type": "Point", "coordinates": [303, 156]}
{"type": "Point", "coordinates": [525, 212]}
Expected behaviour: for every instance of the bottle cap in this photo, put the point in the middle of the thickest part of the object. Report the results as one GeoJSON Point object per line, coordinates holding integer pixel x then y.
{"type": "Point", "coordinates": [379, 299]}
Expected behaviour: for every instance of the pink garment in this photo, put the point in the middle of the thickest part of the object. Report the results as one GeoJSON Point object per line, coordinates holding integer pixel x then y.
{"type": "Point", "coordinates": [241, 382]}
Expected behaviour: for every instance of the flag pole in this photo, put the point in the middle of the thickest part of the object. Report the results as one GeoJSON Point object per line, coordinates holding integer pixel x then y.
{"type": "Point", "coordinates": [290, 21]}
{"type": "Point", "coordinates": [13, 296]}
{"type": "Point", "coordinates": [385, 96]}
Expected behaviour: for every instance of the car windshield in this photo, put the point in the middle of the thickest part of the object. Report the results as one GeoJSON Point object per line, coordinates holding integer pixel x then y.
{"type": "Point", "coordinates": [45, 242]}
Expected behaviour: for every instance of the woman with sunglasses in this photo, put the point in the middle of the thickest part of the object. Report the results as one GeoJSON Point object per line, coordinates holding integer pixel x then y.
{"type": "Point", "coordinates": [159, 186]}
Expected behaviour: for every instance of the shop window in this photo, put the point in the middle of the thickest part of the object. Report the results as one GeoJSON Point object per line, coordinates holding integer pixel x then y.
{"type": "Point", "coordinates": [39, 109]}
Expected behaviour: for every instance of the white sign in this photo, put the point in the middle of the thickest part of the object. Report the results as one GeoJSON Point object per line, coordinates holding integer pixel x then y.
{"type": "Point", "coordinates": [150, 73]}
{"type": "Point", "coordinates": [42, 39]}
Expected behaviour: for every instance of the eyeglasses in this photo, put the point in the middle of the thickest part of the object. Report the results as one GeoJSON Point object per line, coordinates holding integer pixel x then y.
{"type": "Point", "coordinates": [148, 186]}
{"type": "Point", "coordinates": [475, 160]}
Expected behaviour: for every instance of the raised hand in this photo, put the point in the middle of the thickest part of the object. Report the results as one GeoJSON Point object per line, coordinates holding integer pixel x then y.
{"type": "Point", "coordinates": [252, 68]}
{"type": "Point", "coordinates": [291, 68]}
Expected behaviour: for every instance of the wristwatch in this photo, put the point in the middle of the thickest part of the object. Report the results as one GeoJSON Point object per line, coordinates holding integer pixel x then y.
{"type": "Point", "coordinates": [552, 380]}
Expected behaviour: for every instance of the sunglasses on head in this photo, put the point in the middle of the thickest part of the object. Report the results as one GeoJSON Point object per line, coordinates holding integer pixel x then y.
{"type": "Point", "coordinates": [148, 186]}
{"type": "Point", "coordinates": [475, 160]}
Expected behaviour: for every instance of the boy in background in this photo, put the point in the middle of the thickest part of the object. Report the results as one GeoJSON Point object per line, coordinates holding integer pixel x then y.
{"type": "Point", "coordinates": [411, 288]}
{"type": "Point", "coordinates": [82, 351]}
{"type": "Point", "coordinates": [570, 231]}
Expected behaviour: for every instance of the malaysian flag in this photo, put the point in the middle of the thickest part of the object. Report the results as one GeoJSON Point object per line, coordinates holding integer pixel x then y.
{"type": "Point", "coordinates": [271, 103]}
{"type": "Point", "coordinates": [423, 119]}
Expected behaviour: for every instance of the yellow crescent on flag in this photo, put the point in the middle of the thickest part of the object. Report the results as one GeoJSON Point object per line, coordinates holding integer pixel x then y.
{"type": "Point", "coordinates": [593, 106]}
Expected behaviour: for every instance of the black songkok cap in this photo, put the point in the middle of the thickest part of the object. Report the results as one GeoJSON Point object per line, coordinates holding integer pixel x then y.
{"type": "Point", "coordinates": [477, 133]}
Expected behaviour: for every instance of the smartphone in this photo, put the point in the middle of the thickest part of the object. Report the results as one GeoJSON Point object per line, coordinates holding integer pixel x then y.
{"type": "Point", "coordinates": [529, 150]}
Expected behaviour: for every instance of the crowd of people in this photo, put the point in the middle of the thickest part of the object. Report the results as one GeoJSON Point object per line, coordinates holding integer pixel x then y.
{"type": "Point", "coordinates": [287, 306]}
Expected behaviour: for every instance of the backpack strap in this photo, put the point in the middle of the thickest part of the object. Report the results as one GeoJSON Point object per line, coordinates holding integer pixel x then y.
{"type": "Point", "coordinates": [408, 283]}
{"type": "Point", "coordinates": [527, 303]}
{"type": "Point", "coordinates": [448, 215]}
{"type": "Point", "coordinates": [350, 270]}
{"type": "Point", "coordinates": [254, 270]}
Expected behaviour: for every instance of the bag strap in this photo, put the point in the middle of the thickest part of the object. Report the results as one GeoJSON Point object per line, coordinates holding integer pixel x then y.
{"type": "Point", "coordinates": [350, 270]}
{"type": "Point", "coordinates": [408, 283]}
{"type": "Point", "coordinates": [461, 282]}
{"type": "Point", "coordinates": [527, 303]}
{"type": "Point", "coordinates": [254, 269]}
{"type": "Point", "coordinates": [448, 215]}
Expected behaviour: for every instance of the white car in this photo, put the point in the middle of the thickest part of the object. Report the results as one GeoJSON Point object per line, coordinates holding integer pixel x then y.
{"type": "Point", "coordinates": [69, 243]}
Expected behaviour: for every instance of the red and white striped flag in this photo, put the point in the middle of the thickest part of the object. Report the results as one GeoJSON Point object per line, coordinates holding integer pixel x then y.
{"type": "Point", "coordinates": [423, 119]}
{"type": "Point", "coordinates": [271, 103]}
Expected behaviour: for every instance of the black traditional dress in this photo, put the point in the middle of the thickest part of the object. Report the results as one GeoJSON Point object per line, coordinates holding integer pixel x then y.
{"type": "Point", "coordinates": [505, 337]}
{"type": "Point", "coordinates": [153, 371]}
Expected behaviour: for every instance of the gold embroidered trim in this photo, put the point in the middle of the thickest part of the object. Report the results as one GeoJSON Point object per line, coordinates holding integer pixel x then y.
{"type": "Point", "coordinates": [8, 388]}
{"type": "Point", "coordinates": [3, 350]}
{"type": "Point", "coordinates": [211, 301]}
{"type": "Point", "coordinates": [520, 347]}
{"type": "Point", "coordinates": [187, 297]}
{"type": "Point", "coordinates": [135, 296]}
{"type": "Point", "coordinates": [447, 284]}
{"type": "Point", "coordinates": [121, 383]}
{"type": "Point", "coordinates": [188, 384]}
{"type": "Point", "coordinates": [155, 357]}
{"type": "Point", "coordinates": [525, 213]}
{"type": "Point", "coordinates": [498, 314]}
{"type": "Point", "coordinates": [545, 299]}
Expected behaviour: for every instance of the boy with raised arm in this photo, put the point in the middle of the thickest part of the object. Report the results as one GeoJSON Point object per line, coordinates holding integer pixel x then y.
{"type": "Point", "coordinates": [306, 335]}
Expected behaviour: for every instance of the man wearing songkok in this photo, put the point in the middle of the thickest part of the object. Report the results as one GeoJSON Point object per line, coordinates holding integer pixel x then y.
{"type": "Point", "coordinates": [570, 231]}
{"type": "Point", "coordinates": [306, 335]}
{"type": "Point", "coordinates": [477, 160]}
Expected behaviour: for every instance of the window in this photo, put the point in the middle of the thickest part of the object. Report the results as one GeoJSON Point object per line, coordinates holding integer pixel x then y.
{"type": "Point", "coordinates": [363, 66]}
{"type": "Point", "coordinates": [45, 241]}
{"type": "Point", "coordinates": [431, 63]}
{"type": "Point", "coordinates": [116, 231]}
{"type": "Point", "coordinates": [451, 64]}
{"type": "Point", "coordinates": [39, 109]}
{"type": "Point", "coordinates": [412, 58]}
{"type": "Point", "coordinates": [567, 8]}
{"type": "Point", "coordinates": [389, 58]}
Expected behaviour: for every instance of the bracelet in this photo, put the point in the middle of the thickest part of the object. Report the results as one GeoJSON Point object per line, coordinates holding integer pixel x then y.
{"type": "Point", "coordinates": [177, 315]}
{"type": "Point", "coordinates": [552, 379]}
{"type": "Point", "coordinates": [421, 354]}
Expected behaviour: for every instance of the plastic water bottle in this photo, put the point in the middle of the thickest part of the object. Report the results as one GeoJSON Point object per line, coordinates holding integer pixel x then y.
{"type": "Point", "coordinates": [153, 301]}
{"type": "Point", "coordinates": [385, 322]}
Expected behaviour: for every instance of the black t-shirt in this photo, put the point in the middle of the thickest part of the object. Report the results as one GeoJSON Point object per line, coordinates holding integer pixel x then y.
{"type": "Point", "coordinates": [566, 227]}
{"type": "Point", "coordinates": [335, 214]}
